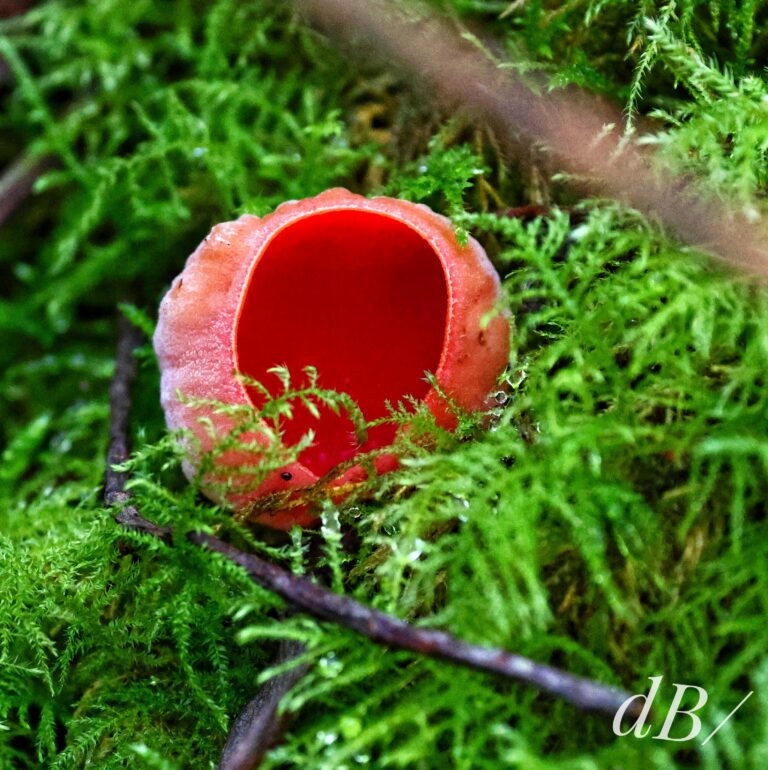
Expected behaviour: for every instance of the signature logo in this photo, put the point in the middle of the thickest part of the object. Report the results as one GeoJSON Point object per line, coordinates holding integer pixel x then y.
{"type": "Point", "coordinates": [638, 729]}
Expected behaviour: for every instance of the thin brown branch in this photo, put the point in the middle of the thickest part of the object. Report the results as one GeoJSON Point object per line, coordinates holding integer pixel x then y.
{"type": "Point", "coordinates": [5, 73]}
{"type": "Point", "coordinates": [126, 367]}
{"type": "Point", "coordinates": [130, 518]}
{"type": "Point", "coordinates": [10, 8]}
{"type": "Point", "coordinates": [324, 604]}
{"type": "Point", "coordinates": [260, 726]}
{"type": "Point", "coordinates": [18, 179]}
{"type": "Point", "coordinates": [579, 130]}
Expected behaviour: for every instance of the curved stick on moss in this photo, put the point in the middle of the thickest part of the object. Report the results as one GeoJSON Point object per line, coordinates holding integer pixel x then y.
{"type": "Point", "coordinates": [118, 450]}
{"type": "Point", "coordinates": [18, 179]}
{"type": "Point", "coordinates": [322, 603]}
{"type": "Point", "coordinates": [391, 631]}
{"type": "Point", "coordinates": [259, 726]}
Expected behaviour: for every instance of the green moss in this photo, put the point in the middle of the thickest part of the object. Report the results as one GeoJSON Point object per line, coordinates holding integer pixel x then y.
{"type": "Point", "coordinates": [611, 520]}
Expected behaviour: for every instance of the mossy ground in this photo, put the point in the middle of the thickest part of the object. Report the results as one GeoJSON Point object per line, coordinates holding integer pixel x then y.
{"type": "Point", "coordinates": [611, 522]}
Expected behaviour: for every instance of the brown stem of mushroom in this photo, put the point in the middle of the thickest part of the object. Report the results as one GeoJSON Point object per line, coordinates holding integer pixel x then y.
{"type": "Point", "coordinates": [576, 128]}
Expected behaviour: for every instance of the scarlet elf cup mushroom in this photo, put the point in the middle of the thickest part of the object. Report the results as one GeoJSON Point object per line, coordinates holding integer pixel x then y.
{"type": "Point", "coordinates": [372, 292]}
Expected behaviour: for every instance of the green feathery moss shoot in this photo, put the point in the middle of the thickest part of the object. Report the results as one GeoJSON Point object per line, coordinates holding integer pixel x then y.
{"type": "Point", "coordinates": [611, 519]}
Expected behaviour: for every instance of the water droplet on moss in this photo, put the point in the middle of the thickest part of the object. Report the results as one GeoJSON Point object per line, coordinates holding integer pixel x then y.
{"type": "Point", "coordinates": [326, 738]}
{"type": "Point", "coordinates": [329, 666]}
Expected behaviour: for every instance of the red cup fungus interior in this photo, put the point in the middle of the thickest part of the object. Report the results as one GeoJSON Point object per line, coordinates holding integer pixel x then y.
{"type": "Point", "coordinates": [360, 296]}
{"type": "Point", "coordinates": [372, 292]}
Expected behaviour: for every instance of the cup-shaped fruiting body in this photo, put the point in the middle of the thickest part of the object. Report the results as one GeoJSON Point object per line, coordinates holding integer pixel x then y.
{"type": "Point", "coordinates": [372, 292]}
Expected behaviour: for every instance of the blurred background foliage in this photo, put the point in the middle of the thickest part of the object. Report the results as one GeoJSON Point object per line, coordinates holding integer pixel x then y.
{"type": "Point", "coordinates": [611, 521]}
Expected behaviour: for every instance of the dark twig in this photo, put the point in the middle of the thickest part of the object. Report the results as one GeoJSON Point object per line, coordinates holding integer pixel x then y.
{"type": "Point", "coordinates": [5, 73]}
{"type": "Point", "coordinates": [322, 603]}
{"type": "Point", "coordinates": [130, 518]}
{"type": "Point", "coordinates": [18, 179]}
{"type": "Point", "coordinates": [259, 726]}
{"type": "Point", "coordinates": [9, 8]}
{"type": "Point", "coordinates": [126, 367]}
